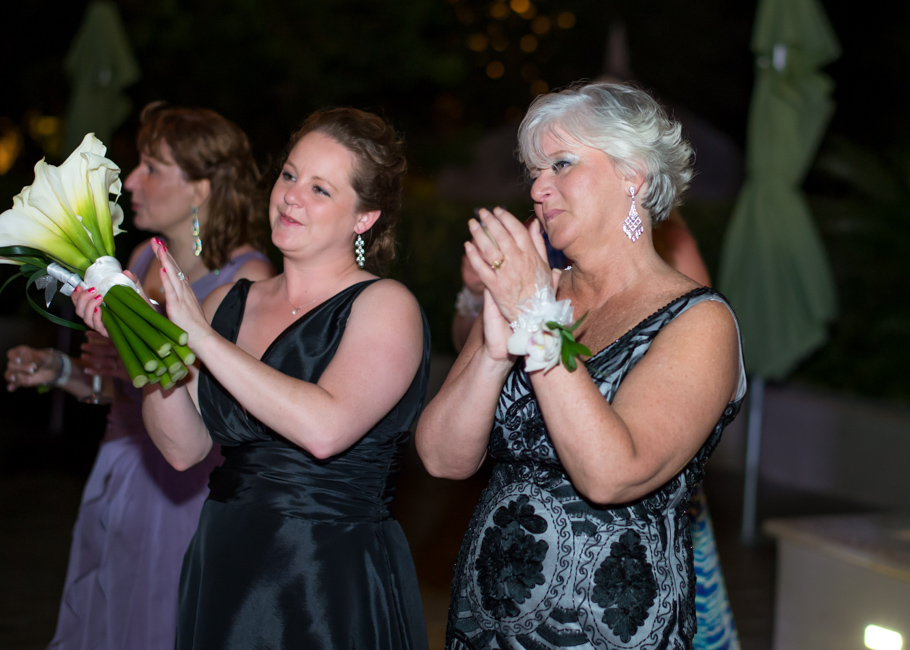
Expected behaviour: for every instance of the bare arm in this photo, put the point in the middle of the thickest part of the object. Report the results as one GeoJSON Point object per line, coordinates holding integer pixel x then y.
{"type": "Point", "coordinates": [661, 414]}
{"type": "Point", "coordinates": [174, 423]}
{"type": "Point", "coordinates": [172, 417]}
{"type": "Point", "coordinates": [454, 428]}
{"type": "Point", "coordinates": [32, 367]}
{"type": "Point", "coordinates": [370, 372]}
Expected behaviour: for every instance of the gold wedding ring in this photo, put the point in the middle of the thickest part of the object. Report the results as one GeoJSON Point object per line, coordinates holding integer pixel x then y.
{"type": "Point", "coordinates": [497, 264]}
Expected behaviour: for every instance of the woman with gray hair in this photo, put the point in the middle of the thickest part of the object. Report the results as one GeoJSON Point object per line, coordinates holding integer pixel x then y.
{"type": "Point", "coordinates": [581, 538]}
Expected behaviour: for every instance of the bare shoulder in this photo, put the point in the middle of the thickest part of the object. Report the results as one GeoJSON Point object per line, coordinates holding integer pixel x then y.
{"type": "Point", "coordinates": [710, 319]}
{"type": "Point", "coordinates": [391, 291]}
{"type": "Point", "coordinates": [703, 340]}
{"type": "Point", "coordinates": [390, 302]}
{"type": "Point", "coordinates": [255, 269]}
{"type": "Point", "coordinates": [213, 300]}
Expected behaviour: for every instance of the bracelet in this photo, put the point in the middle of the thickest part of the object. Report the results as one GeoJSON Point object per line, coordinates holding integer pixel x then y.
{"type": "Point", "coordinates": [468, 304]}
{"type": "Point", "coordinates": [66, 369]}
{"type": "Point", "coordinates": [543, 332]}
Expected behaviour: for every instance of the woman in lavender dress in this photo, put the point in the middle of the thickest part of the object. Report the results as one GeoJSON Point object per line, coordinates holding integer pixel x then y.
{"type": "Point", "coordinates": [196, 186]}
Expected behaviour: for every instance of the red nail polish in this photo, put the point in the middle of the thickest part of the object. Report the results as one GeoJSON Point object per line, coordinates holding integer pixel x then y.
{"type": "Point", "coordinates": [91, 290]}
{"type": "Point", "coordinates": [163, 270]}
{"type": "Point", "coordinates": [98, 297]}
{"type": "Point", "coordinates": [96, 310]}
{"type": "Point", "coordinates": [157, 241]}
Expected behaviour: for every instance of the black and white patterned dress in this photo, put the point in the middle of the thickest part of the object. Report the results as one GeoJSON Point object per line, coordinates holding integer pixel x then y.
{"type": "Point", "coordinates": [541, 567]}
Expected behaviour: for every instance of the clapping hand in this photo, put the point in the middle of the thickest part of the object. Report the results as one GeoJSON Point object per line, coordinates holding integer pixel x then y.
{"type": "Point", "coordinates": [509, 257]}
{"type": "Point", "coordinates": [183, 308]}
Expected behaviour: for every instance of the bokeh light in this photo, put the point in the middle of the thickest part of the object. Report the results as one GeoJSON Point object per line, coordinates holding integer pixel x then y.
{"type": "Point", "coordinates": [477, 42]}
{"type": "Point", "coordinates": [566, 20]}
{"type": "Point", "coordinates": [499, 10]}
{"type": "Point", "coordinates": [541, 25]}
{"type": "Point", "coordinates": [495, 69]}
{"type": "Point", "coordinates": [528, 43]}
{"type": "Point", "coordinates": [539, 87]}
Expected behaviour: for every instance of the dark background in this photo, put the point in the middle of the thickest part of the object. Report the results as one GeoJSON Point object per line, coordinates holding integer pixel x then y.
{"type": "Point", "coordinates": [266, 64]}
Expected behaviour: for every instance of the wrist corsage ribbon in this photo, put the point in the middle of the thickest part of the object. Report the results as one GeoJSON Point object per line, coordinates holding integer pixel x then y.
{"type": "Point", "coordinates": [543, 332]}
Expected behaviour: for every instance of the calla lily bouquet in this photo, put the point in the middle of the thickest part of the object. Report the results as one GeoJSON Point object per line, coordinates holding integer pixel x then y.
{"type": "Point", "coordinates": [61, 229]}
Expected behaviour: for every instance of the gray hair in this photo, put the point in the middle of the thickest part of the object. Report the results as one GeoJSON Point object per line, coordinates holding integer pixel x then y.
{"type": "Point", "coordinates": [625, 123]}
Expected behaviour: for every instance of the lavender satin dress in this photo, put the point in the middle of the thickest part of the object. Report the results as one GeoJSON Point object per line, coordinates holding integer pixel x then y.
{"type": "Point", "coordinates": [135, 522]}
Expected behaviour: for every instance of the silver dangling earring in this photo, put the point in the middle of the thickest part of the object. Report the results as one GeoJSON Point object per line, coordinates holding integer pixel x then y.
{"type": "Point", "coordinates": [632, 225]}
{"type": "Point", "coordinates": [197, 241]}
{"type": "Point", "coordinates": [358, 251]}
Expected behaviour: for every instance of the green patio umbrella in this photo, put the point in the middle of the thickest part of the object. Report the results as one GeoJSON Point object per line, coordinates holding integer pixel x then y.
{"type": "Point", "coordinates": [773, 267]}
{"type": "Point", "coordinates": [100, 65]}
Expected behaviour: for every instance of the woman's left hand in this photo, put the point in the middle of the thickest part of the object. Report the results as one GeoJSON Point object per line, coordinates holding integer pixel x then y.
{"type": "Point", "coordinates": [510, 259]}
{"type": "Point", "coordinates": [183, 308]}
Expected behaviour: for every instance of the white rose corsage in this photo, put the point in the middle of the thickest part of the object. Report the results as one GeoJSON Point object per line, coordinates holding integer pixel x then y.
{"type": "Point", "coordinates": [543, 332]}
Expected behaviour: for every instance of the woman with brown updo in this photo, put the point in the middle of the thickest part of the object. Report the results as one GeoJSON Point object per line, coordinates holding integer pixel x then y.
{"type": "Point", "coordinates": [310, 382]}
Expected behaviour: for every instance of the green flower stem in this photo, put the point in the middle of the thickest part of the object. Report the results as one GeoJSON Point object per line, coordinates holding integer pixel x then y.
{"type": "Point", "coordinates": [173, 363]}
{"type": "Point", "coordinates": [570, 347]}
{"type": "Point", "coordinates": [186, 355]}
{"type": "Point", "coordinates": [180, 374]}
{"type": "Point", "coordinates": [159, 344]}
{"type": "Point", "coordinates": [133, 367]}
{"type": "Point", "coordinates": [153, 378]}
{"type": "Point", "coordinates": [167, 382]}
{"type": "Point", "coordinates": [146, 357]}
{"type": "Point", "coordinates": [135, 302]}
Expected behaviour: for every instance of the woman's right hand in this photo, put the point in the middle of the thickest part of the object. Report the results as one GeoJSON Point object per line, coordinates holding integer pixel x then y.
{"type": "Point", "coordinates": [88, 304]}
{"type": "Point", "coordinates": [510, 258]}
{"type": "Point", "coordinates": [496, 331]}
{"type": "Point", "coordinates": [88, 307]}
{"type": "Point", "coordinates": [29, 367]}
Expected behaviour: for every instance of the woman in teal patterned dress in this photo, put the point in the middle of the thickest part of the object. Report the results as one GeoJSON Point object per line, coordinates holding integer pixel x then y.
{"type": "Point", "coordinates": [581, 538]}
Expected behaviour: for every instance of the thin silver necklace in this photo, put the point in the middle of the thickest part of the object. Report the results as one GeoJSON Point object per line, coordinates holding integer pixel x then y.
{"type": "Point", "coordinates": [295, 310]}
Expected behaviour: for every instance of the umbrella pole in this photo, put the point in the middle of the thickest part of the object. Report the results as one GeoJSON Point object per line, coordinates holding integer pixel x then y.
{"type": "Point", "coordinates": [753, 451]}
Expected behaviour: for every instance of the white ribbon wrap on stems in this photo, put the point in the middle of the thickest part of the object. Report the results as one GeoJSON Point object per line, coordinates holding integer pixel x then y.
{"type": "Point", "coordinates": [55, 274]}
{"type": "Point", "coordinates": [531, 338]}
{"type": "Point", "coordinates": [105, 273]}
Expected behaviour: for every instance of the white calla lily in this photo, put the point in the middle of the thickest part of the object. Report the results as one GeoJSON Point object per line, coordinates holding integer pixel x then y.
{"type": "Point", "coordinates": [78, 175]}
{"type": "Point", "coordinates": [103, 179]}
{"type": "Point", "coordinates": [20, 226]}
{"type": "Point", "coordinates": [48, 196]}
{"type": "Point", "coordinates": [116, 218]}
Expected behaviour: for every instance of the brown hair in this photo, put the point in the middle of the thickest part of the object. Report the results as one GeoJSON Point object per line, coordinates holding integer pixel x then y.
{"type": "Point", "coordinates": [379, 169]}
{"type": "Point", "coordinates": [205, 145]}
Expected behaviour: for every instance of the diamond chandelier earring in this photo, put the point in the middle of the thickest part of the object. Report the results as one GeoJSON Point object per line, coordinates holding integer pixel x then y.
{"type": "Point", "coordinates": [197, 241]}
{"type": "Point", "coordinates": [632, 225]}
{"type": "Point", "coordinates": [358, 251]}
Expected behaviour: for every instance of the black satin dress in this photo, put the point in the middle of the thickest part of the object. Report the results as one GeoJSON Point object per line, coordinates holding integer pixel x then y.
{"type": "Point", "coordinates": [293, 551]}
